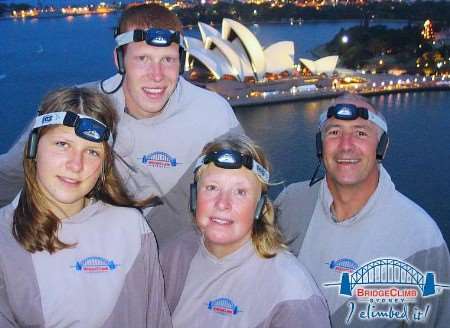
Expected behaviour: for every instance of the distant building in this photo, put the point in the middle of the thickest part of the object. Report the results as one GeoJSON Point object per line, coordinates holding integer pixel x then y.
{"type": "Point", "coordinates": [235, 53]}
{"type": "Point", "coordinates": [324, 65]}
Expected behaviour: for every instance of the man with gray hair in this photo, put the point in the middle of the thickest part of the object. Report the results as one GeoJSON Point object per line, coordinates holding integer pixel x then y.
{"type": "Point", "coordinates": [379, 259]}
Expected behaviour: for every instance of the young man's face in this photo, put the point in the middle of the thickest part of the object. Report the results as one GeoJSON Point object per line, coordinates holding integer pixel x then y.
{"type": "Point", "coordinates": [349, 153]}
{"type": "Point", "coordinates": [151, 77]}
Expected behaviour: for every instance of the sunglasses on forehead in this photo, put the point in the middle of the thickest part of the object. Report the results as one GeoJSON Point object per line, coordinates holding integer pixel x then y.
{"type": "Point", "coordinates": [230, 159]}
{"type": "Point", "coordinates": [157, 37]}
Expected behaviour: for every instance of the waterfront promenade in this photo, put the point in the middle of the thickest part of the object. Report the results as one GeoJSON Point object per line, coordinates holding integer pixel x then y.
{"type": "Point", "coordinates": [377, 84]}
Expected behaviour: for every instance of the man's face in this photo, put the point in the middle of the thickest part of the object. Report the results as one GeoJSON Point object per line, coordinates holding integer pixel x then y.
{"type": "Point", "coordinates": [151, 77]}
{"type": "Point", "coordinates": [349, 153]}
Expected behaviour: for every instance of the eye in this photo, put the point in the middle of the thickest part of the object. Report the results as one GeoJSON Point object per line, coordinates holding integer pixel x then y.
{"type": "Point", "coordinates": [168, 60]}
{"type": "Point", "coordinates": [143, 59]}
{"type": "Point", "coordinates": [361, 133]}
{"type": "Point", "coordinates": [241, 192]}
{"type": "Point", "coordinates": [332, 132]}
{"type": "Point", "coordinates": [61, 144]}
{"type": "Point", "coordinates": [94, 152]}
{"type": "Point", "coordinates": [210, 188]}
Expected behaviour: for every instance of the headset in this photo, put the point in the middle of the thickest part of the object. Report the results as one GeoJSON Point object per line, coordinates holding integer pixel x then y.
{"type": "Point", "coordinates": [193, 201]}
{"type": "Point", "coordinates": [120, 54]}
{"type": "Point", "coordinates": [32, 144]}
{"type": "Point", "coordinates": [381, 147]}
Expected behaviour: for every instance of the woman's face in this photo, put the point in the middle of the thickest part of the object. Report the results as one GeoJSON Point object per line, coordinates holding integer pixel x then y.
{"type": "Point", "coordinates": [226, 203]}
{"type": "Point", "coordinates": [67, 168]}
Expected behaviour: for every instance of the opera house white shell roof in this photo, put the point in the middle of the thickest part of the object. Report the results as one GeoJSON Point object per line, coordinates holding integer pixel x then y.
{"type": "Point", "coordinates": [324, 65]}
{"type": "Point", "coordinates": [237, 52]}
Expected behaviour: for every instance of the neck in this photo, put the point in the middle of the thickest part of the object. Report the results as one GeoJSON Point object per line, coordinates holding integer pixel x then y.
{"type": "Point", "coordinates": [348, 200]}
{"type": "Point", "coordinates": [220, 251]}
{"type": "Point", "coordinates": [64, 212]}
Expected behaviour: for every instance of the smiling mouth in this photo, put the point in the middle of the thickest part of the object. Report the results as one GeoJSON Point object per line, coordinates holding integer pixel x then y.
{"type": "Point", "coordinates": [153, 92]}
{"type": "Point", "coordinates": [69, 181]}
{"type": "Point", "coordinates": [347, 161]}
{"type": "Point", "coordinates": [221, 221]}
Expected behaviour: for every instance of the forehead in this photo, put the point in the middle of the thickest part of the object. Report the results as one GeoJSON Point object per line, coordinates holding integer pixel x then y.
{"type": "Point", "coordinates": [237, 176]}
{"type": "Point", "coordinates": [358, 123]}
{"type": "Point", "coordinates": [68, 133]}
{"type": "Point", "coordinates": [142, 47]}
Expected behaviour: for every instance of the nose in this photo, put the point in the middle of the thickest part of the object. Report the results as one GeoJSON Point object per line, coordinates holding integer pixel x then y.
{"type": "Point", "coordinates": [346, 141]}
{"type": "Point", "coordinates": [223, 201]}
{"type": "Point", "coordinates": [75, 161]}
{"type": "Point", "coordinates": [155, 72]}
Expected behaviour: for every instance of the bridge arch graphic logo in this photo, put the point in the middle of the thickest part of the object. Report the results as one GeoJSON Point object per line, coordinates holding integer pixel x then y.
{"type": "Point", "coordinates": [159, 159]}
{"type": "Point", "coordinates": [388, 271]}
{"type": "Point", "coordinates": [95, 264]}
{"type": "Point", "coordinates": [223, 306]}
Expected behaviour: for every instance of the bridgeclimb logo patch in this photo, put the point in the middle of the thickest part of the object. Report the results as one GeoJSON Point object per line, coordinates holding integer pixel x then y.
{"type": "Point", "coordinates": [95, 264]}
{"type": "Point", "coordinates": [159, 159]}
{"type": "Point", "coordinates": [389, 289]}
{"type": "Point", "coordinates": [223, 306]}
{"type": "Point", "coordinates": [343, 265]}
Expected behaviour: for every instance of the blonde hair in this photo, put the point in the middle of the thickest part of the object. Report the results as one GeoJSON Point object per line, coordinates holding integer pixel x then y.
{"type": "Point", "coordinates": [35, 226]}
{"type": "Point", "coordinates": [266, 236]}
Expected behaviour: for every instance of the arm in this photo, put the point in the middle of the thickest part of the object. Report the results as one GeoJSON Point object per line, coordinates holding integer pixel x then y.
{"type": "Point", "coordinates": [176, 256]}
{"type": "Point", "coordinates": [436, 260]}
{"type": "Point", "coordinates": [294, 210]}
{"type": "Point", "coordinates": [11, 170]}
{"type": "Point", "coordinates": [6, 315]}
{"type": "Point", "coordinates": [157, 311]}
{"type": "Point", "coordinates": [141, 302]}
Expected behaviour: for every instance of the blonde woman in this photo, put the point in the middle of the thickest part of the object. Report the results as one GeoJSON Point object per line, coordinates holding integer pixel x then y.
{"type": "Point", "coordinates": [234, 271]}
{"type": "Point", "coordinates": [72, 254]}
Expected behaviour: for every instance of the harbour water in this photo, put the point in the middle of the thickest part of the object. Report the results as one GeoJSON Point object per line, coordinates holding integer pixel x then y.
{"type": "Point", "coordinates": [39, 55]}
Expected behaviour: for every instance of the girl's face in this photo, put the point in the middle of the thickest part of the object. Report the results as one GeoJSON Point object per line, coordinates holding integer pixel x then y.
{"type": "Point", "coordinates": [226, 203]}
{"type": "Point", "coordinates": [67, 168]}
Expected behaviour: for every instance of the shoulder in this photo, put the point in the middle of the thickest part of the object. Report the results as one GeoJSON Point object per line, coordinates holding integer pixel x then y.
{"type": "Point", "coordinates": [208, 100]}
{"type": "Point", "coordinates": [126, 218]}
{"type": "Point", "coordinates": [6, 217]}
{"type": "Point", "coordinates": [414, 220]}
{"type": "Point", "coordinates": [118, 212]}
{"type": "Point", "coordinates": [292, 192]}
{"type": "Point", "coordinates": [293, 277]}
{"type": "Point", "coordinates": [295, 188]}
{"type": "Point", "coordinates": [185, 244]}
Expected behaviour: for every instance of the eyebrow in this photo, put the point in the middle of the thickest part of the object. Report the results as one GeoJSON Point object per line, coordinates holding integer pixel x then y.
{"type": "Point", "coordinates": [359, 126]}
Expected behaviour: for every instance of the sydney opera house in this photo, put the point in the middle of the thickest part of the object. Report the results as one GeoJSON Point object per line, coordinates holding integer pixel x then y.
{"type": "Point", "coordinates": [236, 54]}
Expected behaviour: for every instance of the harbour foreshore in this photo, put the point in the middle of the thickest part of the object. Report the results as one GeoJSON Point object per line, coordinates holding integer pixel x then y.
{"type": "Point", "coordinates": [376, 86]}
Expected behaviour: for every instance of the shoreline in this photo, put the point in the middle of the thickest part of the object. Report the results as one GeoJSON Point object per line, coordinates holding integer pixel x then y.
{"type": "Point", "coordinates": [325, 94]}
